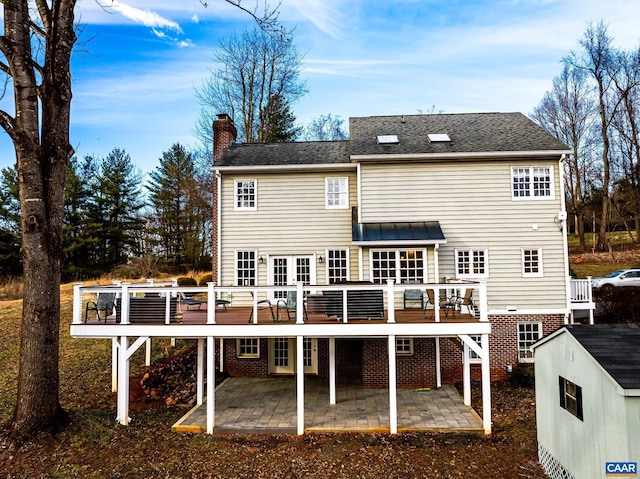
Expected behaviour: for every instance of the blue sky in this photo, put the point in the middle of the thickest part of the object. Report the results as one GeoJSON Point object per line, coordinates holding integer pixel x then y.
{"type": "Point", "coordinates": [138, 62]}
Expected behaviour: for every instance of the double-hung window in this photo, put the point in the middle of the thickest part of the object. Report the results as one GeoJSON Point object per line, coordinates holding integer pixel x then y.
{"type": "Point", "coordinates": [571, 397]}
{"type": "Point", "coordinates": [248, 347]}
{"type": "Point", "coordinates": [337, 192]}
{"type": "Point", "coordinates": [245, 268]}
{"type": "Point", "coordinates": [402, 266]}
{"type": "Point", "coordinates": [337, 266]}
{"type": "Point", "coordinates": [245, 195]}
{"type": "Point", "coordinates": [533, 182]}
{"type": "Point", "coordinates": [528, 334]}
{"type": "Point", "coordinates": [471, 263]}
{"type": "Point", "coordinates": [531, 262]}
{"type": "Point", "coordinates": [473, 356]}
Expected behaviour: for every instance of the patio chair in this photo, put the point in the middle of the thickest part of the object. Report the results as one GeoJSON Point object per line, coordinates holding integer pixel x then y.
{"type": "Point", "coordinates": [446, 304]}
{"type": "Point", "coordinates": [104, 302]}
{"type": "Point", "coordinates": [290, 304]}
{"type": "Point", "coordinates": [466, 300]}
{"type": "Point", "coordinates": [262, 304]}
{"type": "Point", "coordinates": [413, 296]}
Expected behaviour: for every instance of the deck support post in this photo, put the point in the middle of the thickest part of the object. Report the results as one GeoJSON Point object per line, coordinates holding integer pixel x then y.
{"type": "Point", "coordinates": [486, 385]}
{"type": "Point", "coordinates": [332, 371]}
{"type": "Point", "coordinates": [300, 383]}
{"type": "Point", "coordinates": [391, 313]}
{"type": "Point", "coordinates": [200, 373]}
{"type": "Point", "coordinates": [299, 303]}
{"type": "Point", "coordinates": [114, 365]}
{"type": "Point", "coordinates": [211, 383]}
{"type": "Point", "coordinates": [438, 371]}
{"type": "Point", "coordinates": [466, 374]}
{"type": "Point", "coordinates": [211, 303]}
{"type": "Point", "coordinates": [123, 382]}
{"type": "Point", "coordinates": [393, 398]}
{"type": "Point", "coordinates": [147, 354]}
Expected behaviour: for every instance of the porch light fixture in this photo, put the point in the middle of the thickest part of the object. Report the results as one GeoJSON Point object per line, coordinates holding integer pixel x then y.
{"type": "Point", "coordinates": [320, 259]}
{"type": "Point", "coordinates": [261, 259]}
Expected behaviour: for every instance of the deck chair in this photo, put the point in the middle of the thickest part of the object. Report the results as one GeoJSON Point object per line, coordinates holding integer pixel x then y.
{"type": "Point", "coordinates": [191, 303]}
{"type": "Point", "coordinates": [262, 304]}
{"type": "Point", "coordinates": [413, 296]}
{"type": "Point", "coordinates": [290, 304]}
{"type": "Point", "coordinates": [104, 302]}
{"type": "Point", "coordinates": [445, 304]}
{"type": "Point", "coordinates": [466, 300]}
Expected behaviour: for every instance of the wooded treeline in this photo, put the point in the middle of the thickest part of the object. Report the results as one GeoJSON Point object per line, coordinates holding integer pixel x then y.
{"type": "Point", "coordinates": [594, 107]}
{"type": "Point", "coordinates": [114, 221]}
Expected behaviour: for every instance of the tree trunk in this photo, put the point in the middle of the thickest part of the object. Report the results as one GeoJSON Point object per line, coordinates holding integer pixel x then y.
{"type": "Point", "coordinates": [41, 141]}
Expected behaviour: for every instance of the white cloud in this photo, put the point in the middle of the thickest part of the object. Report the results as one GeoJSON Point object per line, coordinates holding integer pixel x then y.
{"type": "Point", "coordinates": [321, 13]}
{"type": "Point", "coordinates": [145, 17]}
{"type": "Point", "coordinates": [195, 18]}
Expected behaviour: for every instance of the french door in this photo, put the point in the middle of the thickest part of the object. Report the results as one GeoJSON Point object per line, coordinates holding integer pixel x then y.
{"type": "Point", "coordinates": [282, 355]}
{"type": "Point", "coordinates": [288, 270]}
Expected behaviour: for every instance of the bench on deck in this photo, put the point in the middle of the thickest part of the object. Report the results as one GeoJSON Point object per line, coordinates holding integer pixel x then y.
{"type": "Point", "coordinates": [148, 309]}
{"type": "Point", "coordinates": [361, 304]}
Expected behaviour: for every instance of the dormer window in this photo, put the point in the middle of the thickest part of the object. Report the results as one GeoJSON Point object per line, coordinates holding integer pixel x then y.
{"type": "Point", "coordinates": [439, 138]}
{"type": "Point", "coordinates": [388, 140]}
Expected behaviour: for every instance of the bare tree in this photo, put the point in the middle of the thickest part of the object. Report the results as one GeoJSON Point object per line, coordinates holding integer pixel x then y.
{"type": "Point", "coordinates": [35, 52]}
{"type": "Point", "coordinates": [325, 128]}
{"type": "Point", "coordinates": [598, 60]}
{"type": "Point", "coordinates": [569, 112]}
{"type": "Point", "coordinates": [254, 67]}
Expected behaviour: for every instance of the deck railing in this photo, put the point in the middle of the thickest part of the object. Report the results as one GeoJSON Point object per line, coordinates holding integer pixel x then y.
{"type": "Point", "coordinates": [581, 290]}
{"type": "Point", "coordinates": [343, 302]}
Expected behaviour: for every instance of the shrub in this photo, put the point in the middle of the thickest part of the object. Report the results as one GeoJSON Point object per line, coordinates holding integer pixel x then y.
{"type": "Point", "coordinates": [523, 376]}
{"type": "Point", "coordinates": [617, 305]}
{"type": "Point", "coordinates": [207, 278]}
{"type": "Point", "coordinates": [187, 281]}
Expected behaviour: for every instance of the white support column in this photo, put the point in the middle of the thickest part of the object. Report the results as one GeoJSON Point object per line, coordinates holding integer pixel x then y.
{"type": "Point", "coordinates": [211, 383]}
{"type": "Point", "coordinates": [332, 371]}
{"type": "Point", "coordinates": [221, 356]}
{"type": "Point", "coordinates": [300, 384]}
{"type": "Point", "coordinates": [391, 303]}
{"type": "Point", "coordinates": [124, 309]}
{"type": "Point", "coordinates": [345, 319]}
{"type": "Point", "coordinates": [123, 382]}
{"type": "Point", "coordinates": [200, 373]}
{"type": "Point", "coordinates": [147, 355]}
{"type": "Point", "coordinates": [484, 316]}
{"type": "Point", "coordinates": [167, 309]}
{"type": "Point", "coordinates": [299, 303]}
{"type": "Point", "coordinates": [211, 303]}
{"type": "Point", "coordinates": [486, 385]}
{"type": "Point", "coordinates": [438, 367]}
{"type": "Point", "coordinates": [466, 374]}
{"type": "Point", "coordinates": [77, 303]}
{"type": "Point", "coordinates": [114, 365]}
{"type": "Point", "coordinates": [393, 398]}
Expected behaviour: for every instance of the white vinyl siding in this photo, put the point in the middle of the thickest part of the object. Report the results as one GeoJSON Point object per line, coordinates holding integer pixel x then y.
{"type": "Point", "coordinates": [292, 220]}
{"type": "Point", "coordinates": [471, 215]}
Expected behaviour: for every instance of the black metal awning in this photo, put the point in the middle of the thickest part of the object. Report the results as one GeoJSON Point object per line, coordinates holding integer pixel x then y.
{"type": "Point", "coordinates": [419, 232]}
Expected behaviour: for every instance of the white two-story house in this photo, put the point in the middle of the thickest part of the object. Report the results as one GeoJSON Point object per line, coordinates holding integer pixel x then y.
{"type": "Point", "coordinates": [428, 199]}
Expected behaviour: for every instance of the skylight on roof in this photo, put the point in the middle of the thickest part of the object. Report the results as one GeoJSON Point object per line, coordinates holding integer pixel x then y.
{"type": "Point", "coordinates": [388, 140]}
{"type": "Point", "coordinates": [439, 138]}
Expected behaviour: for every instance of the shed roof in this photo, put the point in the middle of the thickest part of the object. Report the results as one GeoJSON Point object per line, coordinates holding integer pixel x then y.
{"type": "Point", "coordinates": [468, 132]}
{"type": "Point", "coordinates": [616, 347]}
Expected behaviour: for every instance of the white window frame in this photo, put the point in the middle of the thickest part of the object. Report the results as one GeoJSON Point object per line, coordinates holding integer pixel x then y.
{"type": "Point", "coordinates": [531, 187]}
{"type": "Point", "coordinates": [397, 268]}
{"type": "Point", "coordinates": [237, 279]}
{"type": "Point", "coordinates": [525, 355]}
{"type": "Point", "coordinates": [473, 356]}
{"type": "Point", "coordinates": [252, 344]}
{"type": "Point", "coordinates": [342, 194]}
{"type": "Point", "coordinates": [527, 263]}
{"type": "Point", "coordinates": [404, 346]}
{"type": "Point", "coordinates": [329, 261]}
{"type": "Point", "coordinates": [474, 264]}
{"type": "Point", "coordinates": [239, 203]}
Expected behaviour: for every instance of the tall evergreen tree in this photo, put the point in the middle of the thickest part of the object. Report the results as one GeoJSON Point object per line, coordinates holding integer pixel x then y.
{"type": "Point", "coordinates": [179, 195]}
{"type": "Point", "coordinates": [279, 121]}
{"type": "Point", "coordinates": [10, 261]}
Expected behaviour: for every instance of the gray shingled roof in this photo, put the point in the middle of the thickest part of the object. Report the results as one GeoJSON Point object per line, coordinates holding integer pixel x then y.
{"type": "Point", "coordinates": [469, 133]}
{"type": "Point", "coordinates": [616, 347]}
{"type": "Point", "coordinates": [295, 153]}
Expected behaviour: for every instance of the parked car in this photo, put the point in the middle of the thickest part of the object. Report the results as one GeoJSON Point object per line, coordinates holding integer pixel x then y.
{"type": "Point", "coordinates": [622, 277]}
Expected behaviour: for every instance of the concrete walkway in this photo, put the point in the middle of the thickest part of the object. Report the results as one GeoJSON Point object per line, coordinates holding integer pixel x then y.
{"type": "Point", "coordinates": [268, 405]}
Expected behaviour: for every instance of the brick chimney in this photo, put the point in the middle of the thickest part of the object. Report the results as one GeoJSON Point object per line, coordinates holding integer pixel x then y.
{"type": "Point", "coordinates": [224, 133]}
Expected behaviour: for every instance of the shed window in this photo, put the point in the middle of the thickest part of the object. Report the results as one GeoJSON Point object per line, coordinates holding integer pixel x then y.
{"type": "Point", "coordinates": [570, 397]}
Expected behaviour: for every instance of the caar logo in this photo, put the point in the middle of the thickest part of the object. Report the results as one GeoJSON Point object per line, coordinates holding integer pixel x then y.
{"type": "Point", "coordinates": [621, 469]}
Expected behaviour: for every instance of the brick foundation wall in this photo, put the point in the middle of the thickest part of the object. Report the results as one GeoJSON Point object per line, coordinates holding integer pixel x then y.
{"type": "Point", "coordinates": [417, 370]}
{"type": "Point", "coordinates": [246, 367]}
